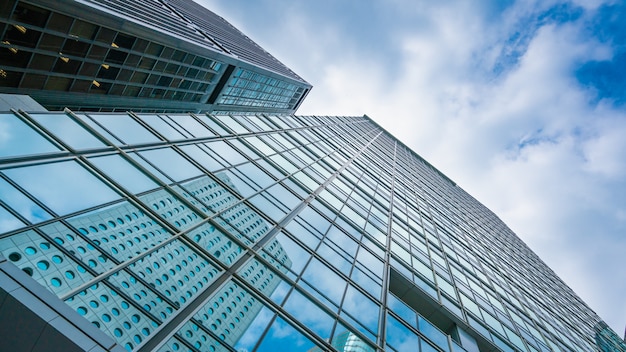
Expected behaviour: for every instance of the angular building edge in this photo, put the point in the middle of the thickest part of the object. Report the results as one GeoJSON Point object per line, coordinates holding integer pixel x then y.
{"type": "Point", "coordinates": [33, 318]}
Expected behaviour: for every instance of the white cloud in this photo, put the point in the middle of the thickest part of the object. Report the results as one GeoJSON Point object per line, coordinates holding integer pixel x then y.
{"type": "Point", "coordinates": [526, 141]}
{"type": "Point", "coordinates": [526, 144]}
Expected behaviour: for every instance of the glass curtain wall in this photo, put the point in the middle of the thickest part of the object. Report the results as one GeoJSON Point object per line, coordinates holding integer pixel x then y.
{"type": "Point", "coordinates": [268, 233]}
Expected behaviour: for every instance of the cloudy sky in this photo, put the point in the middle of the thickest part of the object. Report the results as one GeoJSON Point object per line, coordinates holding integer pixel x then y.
{"type": "Point", "coordinates": [522, 103]}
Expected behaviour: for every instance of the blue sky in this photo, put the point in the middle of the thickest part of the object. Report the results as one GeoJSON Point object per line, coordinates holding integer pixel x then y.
{"type": "Point", "coordinates": [522, 103]}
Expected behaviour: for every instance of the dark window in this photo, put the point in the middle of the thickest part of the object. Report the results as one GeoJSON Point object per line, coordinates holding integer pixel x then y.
{"type": "Point", "coordinates": [124, 75]}
{"type": "Point", "coordinates": [139, 77]}
{"type": "Point", "coordinates": [154, 49]}
{"type": "Point", "coordinates": [146, 63]}
{"type": "Point", "coordinates": [81, 86]}
{"type": "Point", "coordinates": [140, 45]}
{"type": "Point", "coordinates": [164, 81]}
{"type": "Point", "coordinates": [33, 81]}
{"type": "Point", "coordinates": [97, 52]}
{"type": "Point", "coordinates": [66, 65]}
{"type": "Point", "coordinates": [58, 83]}
{"type": "Point", "coordinates": [84, 30]}
{"type": "Point", "coordinates": [30, 14]}
{"type": "Point", "coordinates": [10, 78]}
{"type": "Point", "coordinates": [116, 56]}
{"type": "Point", "coordinates": [109, 73]}
{"type": "Point", "coordinates": [105, 35]}
{"type": "Point", "coordinates": [51, 42]}
{"type": "Point", "coordinates": [17, 35]}
{"type": "Point", "coordinates": [124, 41]}
{"type": "Point", "coordinates": [89, 69]}
{"type": "Point", "coordinates": [131, 91]}
{"type": "Point", "coordinates": [14, 57]}
{"type": "Point", "coordinates": [42, 62]}
{"type": "Point", "coordinates": [59, 22]}
{"type": "Point", "coordinates": [76, 48]}
{"type": "Point", "coordinates": [132, 60]}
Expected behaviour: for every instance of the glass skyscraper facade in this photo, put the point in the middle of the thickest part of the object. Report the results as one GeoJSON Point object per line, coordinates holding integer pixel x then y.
{"type": "Point", "coordinates": [141, 55]}
{"type": "Point", "coordinates": [270, 232]}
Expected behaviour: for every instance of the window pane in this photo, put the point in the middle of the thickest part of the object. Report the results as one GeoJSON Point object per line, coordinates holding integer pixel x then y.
{"type": "Point", "coordinates": [67, 187]}
{"type": "Point", "coordinates": [16, 138]}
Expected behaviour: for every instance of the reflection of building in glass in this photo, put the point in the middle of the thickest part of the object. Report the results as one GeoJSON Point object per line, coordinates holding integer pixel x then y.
{"type": "Point", "coordinates": [166, 55]}
{"type": "Point", "coordinates": [608, 340]}
{"type": "Point", "coordinates": [347, 342]}
{"type": "Point", "coordinates": [122, 232]}
{"type": "Point", "coordinates": [270, 232]}
{"type": "Point", "coordinates": [235, 232]}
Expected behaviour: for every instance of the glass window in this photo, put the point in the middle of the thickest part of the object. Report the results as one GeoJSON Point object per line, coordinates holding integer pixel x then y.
{"type": "Point", "coordinates": [361, 308]}
{"type": "Point", "coordinates": [68, 130]}
{"type": "Point", "coordinates": [16, 138]}
{"type": "Point", "coordinates": [433, 334]}
{"type": "Point", "coordinates": [66, 187]}
{"type": "Point", "coordinates": [310, 314]}
{"type": "Point", "coordinates": [125, 128]}
{"type": "Point", "coordinates": [192, 126]}
{"type": "Point", "coordinates": [201, 156]}
{"type": "Point", "coordinates": [399, 337]}
{"type": "Point", "coordinates": [162, 126]}
{"type": "Point", "coordinates": [8, 222]}
{"type": "Point", "coordinates": [284, 337]}
{"type": "Point", "coordinates": [297, 255]}
{"type": "Point", "coordinates": [171, 163]}
{"type": "Point", "coordinates": [21, 204]}
{"type": "Point", "coordinates": [226, 152]}
{"type": "Point", "coordinates": [124, 173]}
{"type": "Point", "coordinates": [325, 281]}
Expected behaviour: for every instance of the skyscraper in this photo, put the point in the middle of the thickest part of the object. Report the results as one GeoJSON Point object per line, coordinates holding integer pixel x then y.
{"type": "Point", "coordinates": [165, 55]}
{"type": "Point", "coordinates": [270, 232]}
{"type": "Point", "coordinates": [208, 218]}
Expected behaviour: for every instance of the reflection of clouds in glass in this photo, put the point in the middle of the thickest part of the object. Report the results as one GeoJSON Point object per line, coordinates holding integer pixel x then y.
{"type": "Point", "coordinates": [308, 313]}
{"type": "Point", "coordinates": [161, 126]}
{"type": "Point", "coordinates": [124, 173]}
{"type": "Point", "coordinates": [254, 331]}
{"type": "Point", "coordinates": [65, 187]}
{"type": "Point", "coordinates": [325, 280]}
{"type": "Point", "coordinates": [283, 337]}
{"type": "Point", "coordinates": [16, 138]}
{"type": "Point", "coordinates": [172, 163]}
{"type": "Point", "coordinates": [124, 127]}
{"type": "Point", "coordinates": [8, 222]}
{"type": "Point", "coordinates": [20, 203]}
{"type": "Point", "coordinates": [200, 156]}
{"type": "Point", "coordinates": [361, 308]}
{"type": "Point", "coordinates": [344, 242]}
{"type": "Point", "coordinates": [68, 130]}
{"type": "Point", "coordinates": [298, 256]}
{"type": "Point", "coordinates": [401, 338]}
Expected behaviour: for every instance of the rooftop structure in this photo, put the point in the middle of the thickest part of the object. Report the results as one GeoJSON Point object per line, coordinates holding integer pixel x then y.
{"type": "Point", "coordinates": [155, 56]}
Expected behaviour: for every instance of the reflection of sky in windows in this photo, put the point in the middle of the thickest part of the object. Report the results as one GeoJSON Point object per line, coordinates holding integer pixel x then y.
{"type": "Point", "coordinates": [261, 231]}
{"type": "Point", "coordinates": [17, 139]}
{"type": "Point", "coordinates": [64, 187]}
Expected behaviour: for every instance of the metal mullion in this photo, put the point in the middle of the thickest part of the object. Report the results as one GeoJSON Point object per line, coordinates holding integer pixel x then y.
{"type": "Point", "coordinates": [278, 180]}
{"type": "Point", "coordinates": [382, 317]}
{"type": "Point", "coordinates": [313, 255]}
{"type": "Point", "coordinates": [242, 199]}
{"type": "Point", "coordinates": [34, 159]}
{"type": "Point", "coordinates": [134, 200]}
{"type": "Point", "coordinates": [70, 255]}
{"type": "Point", "coordinates": [282, 313]}
{"type": "Point", "coordinates": [167, 329]}
{"type": "Point", "coordinates": [38, 128]}
{"type": "Point", "coordinates": [175, 234]}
